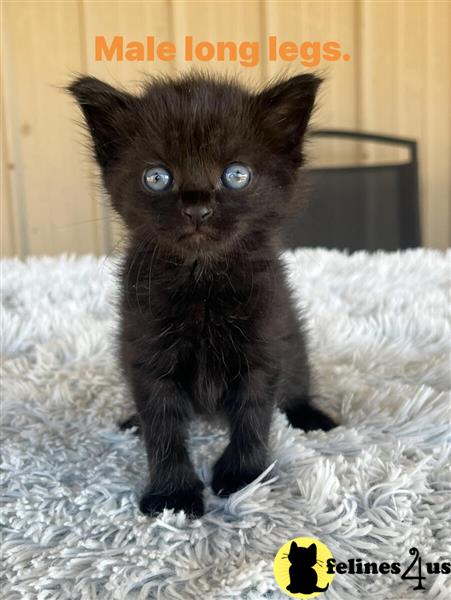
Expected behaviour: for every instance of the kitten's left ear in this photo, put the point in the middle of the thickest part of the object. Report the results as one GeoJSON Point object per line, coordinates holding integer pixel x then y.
{"type": "Point", "coordinates": [285, 109]}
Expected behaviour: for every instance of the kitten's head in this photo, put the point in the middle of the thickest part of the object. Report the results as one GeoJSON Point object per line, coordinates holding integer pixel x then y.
{"type": "Point", "coordinates": [199, 165]}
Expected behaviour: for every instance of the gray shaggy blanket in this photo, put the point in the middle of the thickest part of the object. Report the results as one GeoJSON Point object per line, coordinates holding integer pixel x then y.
{"type": "Point", "coordinates": [373, 488]}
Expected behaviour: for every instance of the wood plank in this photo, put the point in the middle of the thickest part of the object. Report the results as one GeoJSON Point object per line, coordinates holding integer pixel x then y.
{"type": "Point", "coordinates": [436, 140]}
{"type": "Point", "coordinates": [9, 242]}
{"type": "Point", "coordinates": [378, 73]}
{"type": "Point", "coordinates": [14, 226]}
{"type": "Point", "coordinates": [8, 245]}
{"type": "Point", "coordinates": [410, 86]}
{"type": "Point", "coordinates": [42, 49]}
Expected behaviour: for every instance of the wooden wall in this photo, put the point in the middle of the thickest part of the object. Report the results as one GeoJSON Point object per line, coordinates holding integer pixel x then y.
{"type": "Point", "coordinates": [397, 82]}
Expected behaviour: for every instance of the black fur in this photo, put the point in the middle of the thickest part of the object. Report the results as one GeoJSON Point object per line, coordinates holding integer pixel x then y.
{"type": "Point", "coordinates": [207, 323]}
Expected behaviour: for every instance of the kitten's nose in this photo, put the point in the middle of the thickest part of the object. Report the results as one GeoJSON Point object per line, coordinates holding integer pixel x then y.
{"type": "Point", "coordinates": [197, 215]}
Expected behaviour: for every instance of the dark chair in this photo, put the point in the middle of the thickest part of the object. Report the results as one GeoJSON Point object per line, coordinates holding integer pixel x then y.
{"type": "Point", "coordinates": [362, 206]}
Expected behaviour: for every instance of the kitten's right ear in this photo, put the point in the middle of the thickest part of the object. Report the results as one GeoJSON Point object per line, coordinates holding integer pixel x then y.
{"type": "Point", "coordinates": [107, 114]}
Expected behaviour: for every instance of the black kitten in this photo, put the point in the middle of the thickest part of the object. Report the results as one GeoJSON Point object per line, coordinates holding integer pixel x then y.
{"type": "Point", "coordinates": [303, 577]}
{"type": "Point", "coordinates": [203, 174]}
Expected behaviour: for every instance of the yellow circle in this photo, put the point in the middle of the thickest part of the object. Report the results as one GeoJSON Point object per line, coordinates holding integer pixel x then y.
{"type": "Point", "coordinates": [300, 568]}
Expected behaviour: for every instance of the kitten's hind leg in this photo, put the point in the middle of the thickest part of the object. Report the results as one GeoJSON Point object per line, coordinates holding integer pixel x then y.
{"type": "Point", "coordinates": [131, 422]}
{"type": "Point", "coordinates": [303, 415]}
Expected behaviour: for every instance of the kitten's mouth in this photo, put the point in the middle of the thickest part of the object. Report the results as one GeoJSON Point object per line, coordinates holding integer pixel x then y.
{"type": "Point", "coordinates": [197, 236]}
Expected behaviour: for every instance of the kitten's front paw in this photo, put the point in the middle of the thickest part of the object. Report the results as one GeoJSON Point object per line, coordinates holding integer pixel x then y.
{"type": "Point", "coordinates": [228, 479]}
{"type": "Point", "coordinates": [189, 500]}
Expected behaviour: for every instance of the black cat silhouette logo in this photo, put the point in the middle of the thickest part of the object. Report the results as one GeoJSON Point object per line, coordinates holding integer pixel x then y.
{"type": "Point", "coordinates": [300, 568]}
{"type": "Point", "coordinates": [303, 577]}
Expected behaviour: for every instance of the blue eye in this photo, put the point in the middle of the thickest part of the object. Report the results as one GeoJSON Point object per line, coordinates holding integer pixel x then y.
{"type": "Point", "coordinates": [236, 176]}
{"type": "Point", "coordinates": [157, 179]}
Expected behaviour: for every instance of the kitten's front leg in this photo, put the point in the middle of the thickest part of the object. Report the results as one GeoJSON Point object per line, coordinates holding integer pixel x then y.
{"type": "Point", "coordinates": [164, 412]}
{"type": "Point", "coordinates": [249, 411]}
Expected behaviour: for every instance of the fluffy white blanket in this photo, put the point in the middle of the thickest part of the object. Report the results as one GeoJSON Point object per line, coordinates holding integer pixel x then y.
{"type": "Point", "coordinates": [372, 488]}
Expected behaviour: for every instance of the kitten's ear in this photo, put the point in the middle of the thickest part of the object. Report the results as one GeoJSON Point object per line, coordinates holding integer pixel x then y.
{"type": "Point", "coordinates": [293, 546]}
{"type": "Point", "coordinates": [107, 112]}
{"type": "Point", "coordinates": [285, 109]}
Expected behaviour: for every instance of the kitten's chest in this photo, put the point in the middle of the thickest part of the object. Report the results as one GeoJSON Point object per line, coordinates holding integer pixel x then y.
{"type": "Point", "coordinates": [215, 323]}
{"type": "Point", "coordinates": [211, 331]}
